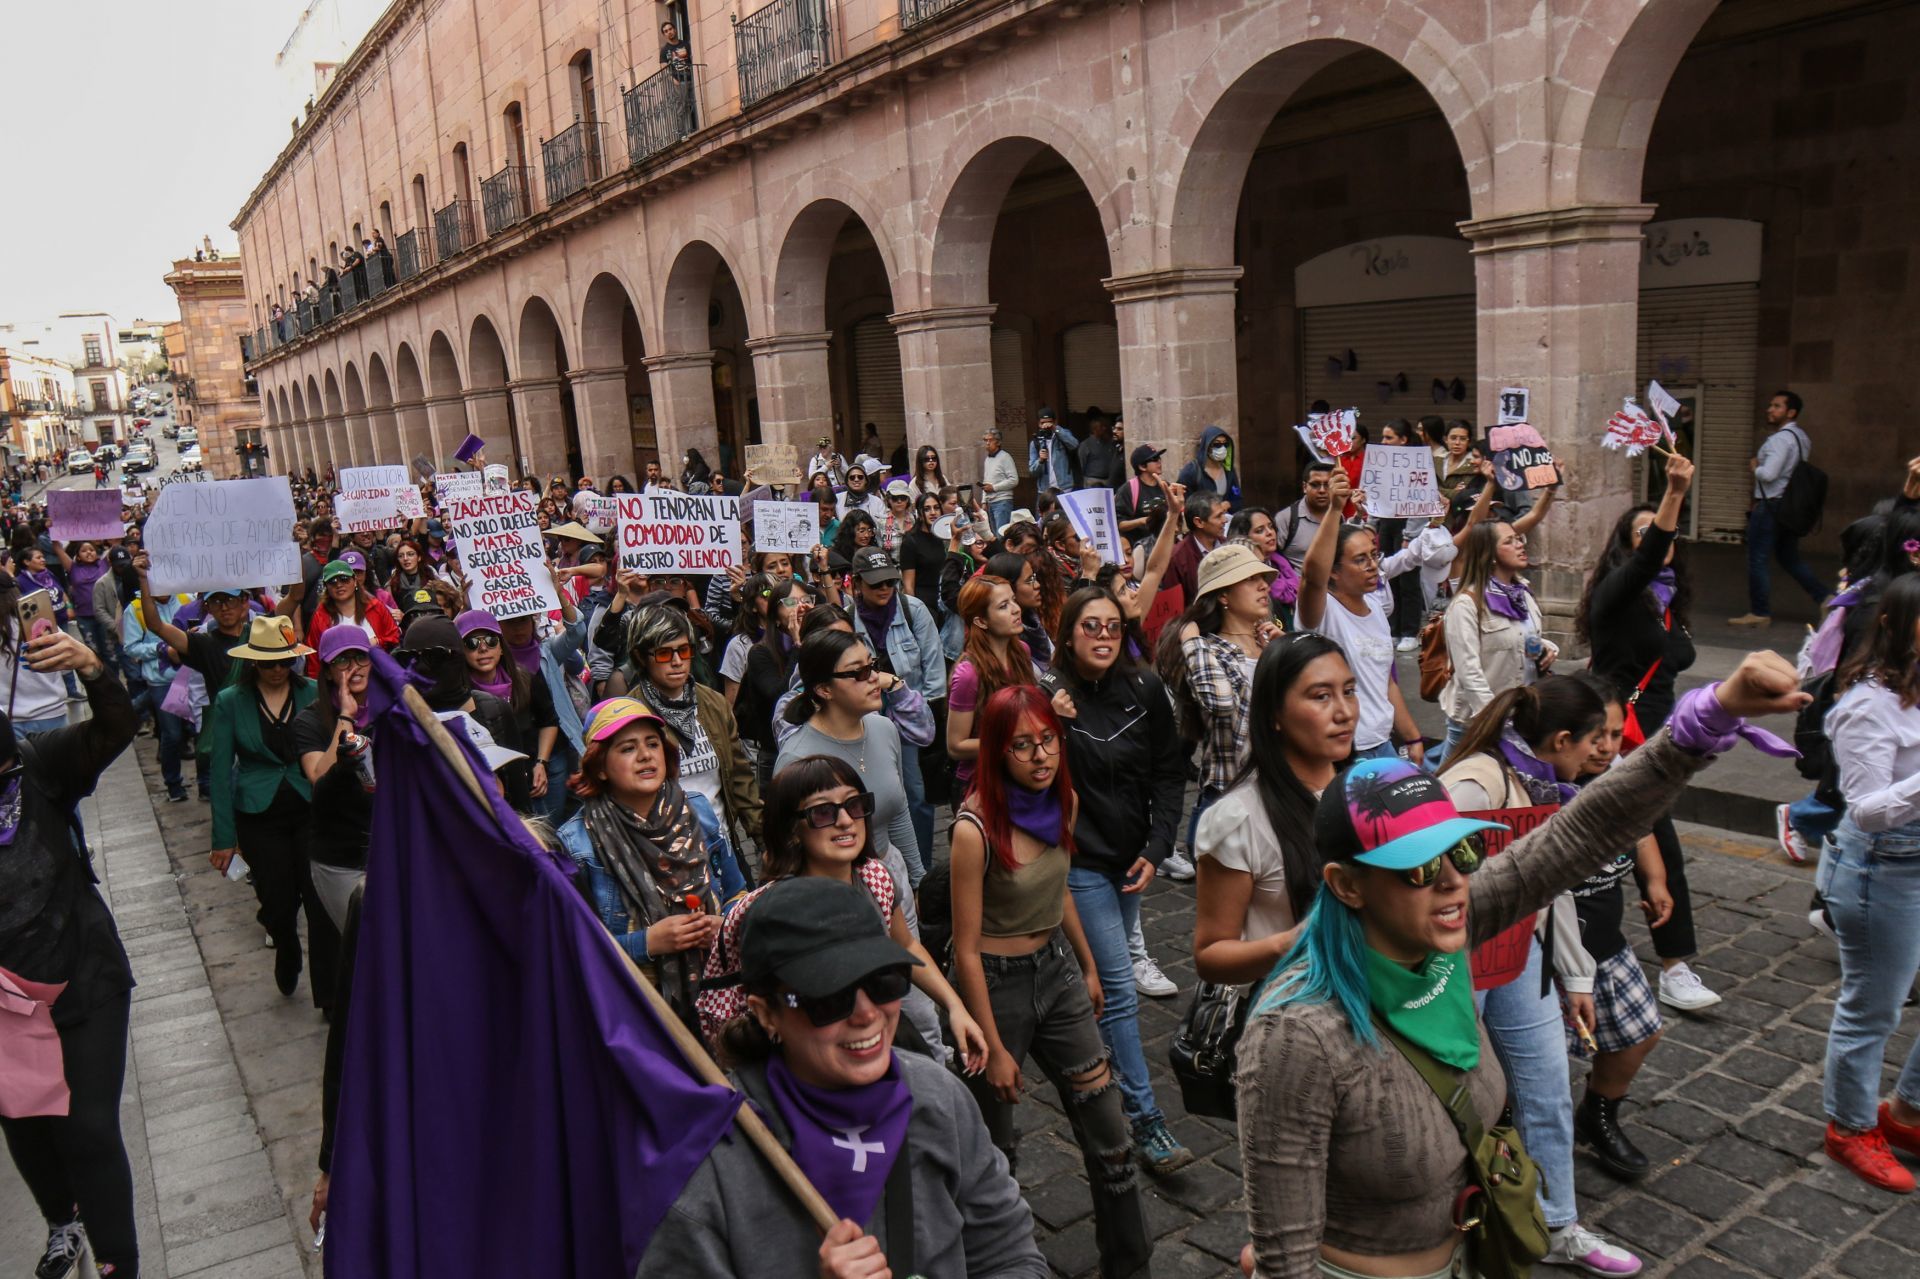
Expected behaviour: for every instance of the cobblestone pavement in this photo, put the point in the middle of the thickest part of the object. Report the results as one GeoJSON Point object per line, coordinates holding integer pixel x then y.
{"type": "Point", "coordinates": [1728, 1106]}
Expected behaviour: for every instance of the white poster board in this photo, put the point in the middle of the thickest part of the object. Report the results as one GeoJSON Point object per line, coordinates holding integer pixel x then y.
{"type": "Point", "coordinates": [668, 532]}
{"type": "Point", "coordinates": [223, 534]}
{"type": "Point", "coordinates": [598, 512]}
{"type": "Point", "coordinates": [355, 479]}
{"type": "Point", "coordinates": [448, 485]}
{"type": "Point", "coordinates": [502, 553]}
{"type": "Point", "coordinates": [1091, 513]}
{"type": "Point", "coordinates": [793, 527]}
{"type": "Point", "coordinates": [1399, 484]}
{"type": "Point", "coordinates": [496, 479]}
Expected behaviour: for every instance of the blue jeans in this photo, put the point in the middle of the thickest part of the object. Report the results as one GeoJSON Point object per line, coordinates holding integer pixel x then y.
{"type": "Point", "coordinates": [1106, 915]}
{"type": "Point", "coordinates": [1813, 820]}
{"type": "Point", "coordinates": [1530, 1040]}
{"type": "Point", "coordinates": [1207, 795]}
{"type": "Point", "coordinates": [103, 640]}
{"type": "Point", "coordinates": [999, 511]}
{"type": "Point", "coordinates": [1767, 540]}
{"type": "Point", "coordinates": [1872, 887]}
{"type": "Point", "coordinates": [1456, 729]}
{"type": "Point", "coordinates": [914, 782]}
{"type": "Point", "coordinates": [35, 727]}
{"type": "Point", "coordinates": [172, 732]}
{"type": "Point", "coordinates": [1385, 750]}
{"type": "Point", "coordinates": [554, 805]}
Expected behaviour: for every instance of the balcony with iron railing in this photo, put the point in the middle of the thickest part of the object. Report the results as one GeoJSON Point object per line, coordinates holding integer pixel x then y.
{"type": "Point", "coordinates": [574, 160]}
{"type": "Point", "coordinates": [915, 12]}
{"type": "Point", "coordinates": [778, 45]}
{"type": "Point", "coordinates": [412, 253]}
{"type": "Point", "coordinates": [660, 112]}
{"type": "Point", "coordinates": [453, 229]}
{"type": "Point", "coordinates": [506, 197]}
{"type": "Point", "coordinates": [350, 295]}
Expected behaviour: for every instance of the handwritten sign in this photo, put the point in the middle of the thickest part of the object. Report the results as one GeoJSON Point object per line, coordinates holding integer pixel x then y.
{"type": "Point", "coordinates": [774, 463]}
{"type": "Point", "coordinates": [1521, 459]}
{"type": "Point", "coordinates": [84, 515]}
{"type": "Point", "coordinates": [452, 484]}
{"type": "Point", "coordinates": [1399, 482]}
{"type": "Point", "coordinates": [223, 534]}
{"type": "Point", "coordinates": [1091, 513]}
{"type": "Point", "coordinates": [1502, 957]}
{"type": "Point", "coordinates": [669, 532]}
{"type": "Point", "coordinates": [356, 479]}
{"type": "Point", "coordinates": [502, 553]}
{"type": "Point", "coordinates": [1332, 434]}
{"type": "Point", "coordinates": [1630, 428]}
{"type": "Point", "coordinates": [1516, 403]}
{"type": "Point", "coordinates": [1662, 402]}
{"type": "Point", "coordinates": [793, 527]}
{"type": "Point", "coordinates": [133, 495]}
{"type": "Point", "coordinates": [597, 511]}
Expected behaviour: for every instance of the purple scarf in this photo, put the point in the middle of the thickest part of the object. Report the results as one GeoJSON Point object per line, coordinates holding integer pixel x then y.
{"type": "Point", "coordinates": [1543, 784]}
{"type": "Point", "coordinates": [1286, 581]}
{"type": "Point", "coordinates": [1508, 599]}
{"type": "Point", "coordinates": [1037, 812]}
{"type": "Point", "coordinates": [1662, 587]}
{"type": "Point", "coordinates": [503, 689]}
{"type": "Point", "coordinates": [877, 620]}
{"type": "Point", "coordinates": [845, 1140]}
{"type": "Point", "coordinates": [526, 656]}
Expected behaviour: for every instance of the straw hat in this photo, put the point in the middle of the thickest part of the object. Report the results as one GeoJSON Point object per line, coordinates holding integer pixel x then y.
{"type": "Point", "coordinates": [270, 639]}
{"type": "Point", "coordinates": [575, 530]}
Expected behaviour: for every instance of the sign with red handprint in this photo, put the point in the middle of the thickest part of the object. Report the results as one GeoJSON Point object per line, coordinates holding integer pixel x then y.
{"type": "Point", "coordinates": [1630, 428]}
{"type": "Point", "coordinates": [1332, 434]}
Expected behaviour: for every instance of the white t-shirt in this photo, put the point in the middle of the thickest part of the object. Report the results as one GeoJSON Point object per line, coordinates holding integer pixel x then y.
{"type": "Point", "coordinates": [700, 766]}
{"type": "Point", "coordinates": [1367, 641]}
{"type": "Point", "coordinates": [733, 663]}
{"type": "Point", "coordinates": [1235, 832]}
{"type": "Point", "coordinates": [35, 695]}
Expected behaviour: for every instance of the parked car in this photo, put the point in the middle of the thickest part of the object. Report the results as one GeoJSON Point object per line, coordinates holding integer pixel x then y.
{"type": "Point", "coordinates": [138, 458]}
{"type": "Point", "coordinates": [188, 436]}
{"type": "Point", "coordinates": [80, 462]}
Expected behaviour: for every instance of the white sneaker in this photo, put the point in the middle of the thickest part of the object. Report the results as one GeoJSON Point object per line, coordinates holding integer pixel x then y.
{"type": "Point", "coordinates": [1580, 1248]}
{"type": "Point", "coordinates": [1149, 980]}
{"type": "Point", "coordinates": [1681, 987]}
{"type": "Point", "coordinates": [1798, 850]}
{"type": "Point", "coordinates": [1408, 644]}
{"type": "Point", "coordinates": [1178, 866]}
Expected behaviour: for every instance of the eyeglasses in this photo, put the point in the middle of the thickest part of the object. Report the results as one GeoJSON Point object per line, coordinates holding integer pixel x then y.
{"type": "Point", "coordinates": [411, 657]}
{"type": "Point", "coordinates": [484, 639]}
{"type": "Point", "coordinates": [347, 661]}
{"type": "Point", "coordinates": [1367, 560]}
{"type": "Point", "coordinates": [1466, 856]}
{"type": "Point", "coordinates": [861, 674]}
{"type": "Point", "coordinates": [670, 653]}
{"type": "Point", "coordinates": [1518, 539]}
{"type": "Point", "coordinates": [1027, 747]}
{"type": "Point", "coordinates": [278, 664]}
{"type": "Point", "coordinates": [858, 806]}
{"type": "Point", "coordinates": [886, 986]}
{"type": "Point", "coordinates": [1094, 628]}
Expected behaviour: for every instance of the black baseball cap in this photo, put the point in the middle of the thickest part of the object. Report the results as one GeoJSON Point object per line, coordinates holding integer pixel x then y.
{"type": "Point", "coordinates": [816, 937]}
{"type": "Point", "coordinates": [875, 566]}
{"type": "Point", "coordinates": [1146, 453]}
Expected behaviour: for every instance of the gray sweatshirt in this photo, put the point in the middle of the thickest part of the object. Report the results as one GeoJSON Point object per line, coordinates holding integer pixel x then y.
{"type": "Point", "coordinates": [969, 1221]}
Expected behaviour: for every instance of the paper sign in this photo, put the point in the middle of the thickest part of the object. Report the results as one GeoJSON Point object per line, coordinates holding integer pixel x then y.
{"type": "Point", "coordinates": [451, 484]}
{"type": "Point", "coordinates": [1091, 513]}
{"type": "Point", "coordinates": [1515, 404]}
{"type": "Point", "coordinates": [1503, 957]}
{"type": "Point", "coordinates": [232, 534]}
{"type": "Point", "coordinates": [1332, 434]}
{"type": "Point", "coordinates": [793, 527]}
{"type": "Point", "coordinates": [1169, 602]}
{"type": "Point", "coordinates": [1399, 482]}
{"type": "Point", "coordinates": [774, 463]}
{"type": "Point", "coordinates": [1631, 429]}
{"type": "Point", "coordinates": [133, 495]}
{"type": "Point", "coordinates": [1306, 437]}
{"type": "Point", "coordinates": [423, 467]}
{"type": "Point", "coordinates": [502, 553]}
{"type": "Point", "coordinates": [1521, 459]}
{"type": "Point", "coordinates": [84, 515]}
{"type": "Point", "coordinates": [671, 532]}
{"type": "Point", "coordinates": [1663, 403]}
{"type": "Point", "coordinates": [497, 478]}
{"type": "Point", "coordinates": [599, 513]}
{"type": "Point", "coordinates": [368, 512]}
{"type": "Point", "coordinates": [357, 479]}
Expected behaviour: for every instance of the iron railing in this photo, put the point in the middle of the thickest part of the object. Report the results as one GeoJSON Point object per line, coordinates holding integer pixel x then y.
{"type": "Point", "coordinates": [379, 274]}
{"type": "Point", "coordinates": [309, 318]}
{"type": "Point", "coordinates": [504, 198]}
{"type": "Point", "coordinates": [778, 45]}
{"type": "Point", "coordinates": [406, 255]}
{"type": "Point", "coordinates": [660, 112]}
{"type": "Point", "coordinates": [915, 12]}
{"type": "Point", "coordinates": [246, 348]}
{"type": "Point", "coordinates": [453, 229]}
{"type": "Point", "coordinates": [350, 290]}
{"type": "Point", "coordinates": [329, 304]}
{"type": "Point", "coordinates": [573, 160]}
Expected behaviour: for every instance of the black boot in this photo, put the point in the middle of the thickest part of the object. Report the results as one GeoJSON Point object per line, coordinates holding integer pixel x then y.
{"type": "Point", "coordinates": [1597, 1125]}
{"type": "Point", "coordinates": [286, 963]}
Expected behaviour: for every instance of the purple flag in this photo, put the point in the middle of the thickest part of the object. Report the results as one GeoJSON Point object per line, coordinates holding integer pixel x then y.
{"type": "Point", "coordinates": [509, 1105]}
{"type": "Point", "coordinates": [468, 447]}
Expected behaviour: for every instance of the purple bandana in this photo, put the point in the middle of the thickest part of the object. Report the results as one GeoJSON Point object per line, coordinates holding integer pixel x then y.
{"type": "Point", "coordinates": [526, 656]}
{"type": "Point", "coordinates": [1700, 725]}
{"type": "Point", "coordinates": [1035, 812]}
{"type": "Point", "coordinates": [1508, 599]}
{"type": "Point", "coordinates": [501, 688]}
{"type": "Point", "coordinates": [1662, 587]}
{"type": "Point", "coordinates": [1542, 784]}
{"type": "Point", "coordinates": [845, 1140]}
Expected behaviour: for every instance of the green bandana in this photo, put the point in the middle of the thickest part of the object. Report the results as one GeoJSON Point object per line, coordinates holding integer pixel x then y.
{"type": "Point", "coordinates": [1432, 1005]}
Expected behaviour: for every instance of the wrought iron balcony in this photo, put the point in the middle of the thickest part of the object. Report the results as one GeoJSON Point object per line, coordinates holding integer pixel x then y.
{"type": "Point", "coordinates": [504, 198]}
{"type": "Point", "coordinates": [453, 229]}
{"type": "Point", "coordinates": [660, 112]}
{"type": "Point", "coordinates": [308, 316]}
{"type": "Point", "coordinates": [780, 44]}
{"type": "Point", "coordinates": [329, 304]}
{"type": "Point", "coordinates": [246, 348]}
{"type": "Point", "coordinates": [407, 257]}
{"type": "Point", "coordinates": [574, 160]}
{"type": "Point", "coordinates": [379, 274]}
{"type": "Point", "coordinates": [915, 12]}
{"type": "Point", "coordinates": [350, 290]}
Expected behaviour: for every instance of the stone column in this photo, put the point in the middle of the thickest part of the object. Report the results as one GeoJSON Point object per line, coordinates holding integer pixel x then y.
{"type": "Point", "coordinates": [447, 425]}
{"type": "Point", "coordinates": [683, 406]}
{"type": "Point", "coordinates": [606, 421]}
{"type": "Point", "coordinates": [414, 433]}
{"type": "Point", "coordinates": [543, 433]}
{"type": "Point", "coordinates": [1559, 305]}
{"type": "Point", "coordinates": [360, 446]}
{"type": "Point", "coordinates": [795, 388]}
{"type": "Point", "coordinates": [946, 375]}
{"type": "Point", "coordinates": [384, 431]}
{"type": "Point", "coordinates": [339, 454]}
{"type": "Point", "coordinates": [1178, 363]}
{"type": "Point", "coordinates": [487, 418]}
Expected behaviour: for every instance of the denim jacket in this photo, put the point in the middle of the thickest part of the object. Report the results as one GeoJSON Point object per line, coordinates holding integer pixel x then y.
{"type": "Point", "coordinates": [1057, 471]}
{"type": "Point", "coordinates": [604, 892]}
{"type": "Point", "coordinates": [913, 646]}
{"type": "Point", "coordinates": [555, 653]}
{"type": "Point", "coordinates": [145, 653]}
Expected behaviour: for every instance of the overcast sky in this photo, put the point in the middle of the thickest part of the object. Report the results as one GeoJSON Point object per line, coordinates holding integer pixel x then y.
{"type": "Point", "coordinates": [132, 128]}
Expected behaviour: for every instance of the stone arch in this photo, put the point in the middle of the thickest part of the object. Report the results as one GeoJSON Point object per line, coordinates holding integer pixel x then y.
{"type": "Point", "coordinates": [379, 387]}
{"type": "Point", "coordinates": [443, 366]}
{"type": "Point", "coordinates": [544, 404]}
{"type": "Point", "coordinates": [489, 407]}
{"type": "Point", "coordinates": [540, 336]}
{"type": "Point", "coordinates": [798, 300]}
{"type": "Point", "coordinates": [410, 409]}
{"type": "Point", "coordinates": [293, 437]}
{"type": "Point", "coordinates": [339, 449]}
{"type": "Point", "coordinates": [688, 294]}
{"type": "Point", "coordinates": [407, 382]}
{"type": "Point", "coordinates": [359, 429]}
{"type": "Point", "coordinates": [602, 317]}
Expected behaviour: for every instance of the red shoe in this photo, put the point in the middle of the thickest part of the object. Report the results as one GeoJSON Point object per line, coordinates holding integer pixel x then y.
{"type": "Point", "coordinates": [1867, 1157]}
{"type": "Point", "coordinates": [1905, 1136]}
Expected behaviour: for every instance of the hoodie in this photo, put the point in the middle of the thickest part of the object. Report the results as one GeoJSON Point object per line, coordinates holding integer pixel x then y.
{"type": "Point", "coordinates": [1193, 476]}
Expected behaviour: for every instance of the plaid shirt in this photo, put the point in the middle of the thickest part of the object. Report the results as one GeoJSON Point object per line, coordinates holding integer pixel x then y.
{"type": "Point", "coordinates": [1221, 680]}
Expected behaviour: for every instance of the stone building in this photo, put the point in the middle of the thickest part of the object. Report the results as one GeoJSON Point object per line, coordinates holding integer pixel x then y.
{"type": "Point", "coordinates": [211, 390]}
{"type": "Point", "coordinates": [933, 215]}
{"type": "Point", "coordinates": [36, 395]}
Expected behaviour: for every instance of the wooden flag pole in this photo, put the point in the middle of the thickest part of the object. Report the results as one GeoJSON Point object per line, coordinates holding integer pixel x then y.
{"type": "Point", "coordinates": [745, 1117]}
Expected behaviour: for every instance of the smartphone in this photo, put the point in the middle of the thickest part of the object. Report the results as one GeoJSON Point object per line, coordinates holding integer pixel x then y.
{"type": "Point", "coordinates": [36, 615]}
{"type": "Point", "coordinates": [966, 494]}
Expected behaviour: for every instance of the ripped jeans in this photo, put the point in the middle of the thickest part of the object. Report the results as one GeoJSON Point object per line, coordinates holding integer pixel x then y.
{"type": "Point", "coordinates": [1040, 1007]}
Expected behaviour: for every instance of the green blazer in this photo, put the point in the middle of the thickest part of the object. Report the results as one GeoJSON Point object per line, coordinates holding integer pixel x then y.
{"type": "Point", "coordinates": [246, 775]}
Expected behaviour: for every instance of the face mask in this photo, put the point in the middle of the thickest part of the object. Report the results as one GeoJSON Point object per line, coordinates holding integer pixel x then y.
{"type": "Point", "coordinates": [1218, 452]}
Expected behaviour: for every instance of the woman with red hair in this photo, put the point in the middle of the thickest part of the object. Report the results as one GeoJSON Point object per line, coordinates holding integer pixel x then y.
{"type": "Point", "coordinates": [1021, 960]}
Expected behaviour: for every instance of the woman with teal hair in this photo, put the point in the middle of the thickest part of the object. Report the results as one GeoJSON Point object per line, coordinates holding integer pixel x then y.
{"type": "Point", "coordinates": [1352, 1162]}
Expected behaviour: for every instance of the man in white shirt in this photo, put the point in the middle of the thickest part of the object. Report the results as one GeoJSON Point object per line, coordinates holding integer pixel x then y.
{"type": "Point", "coordinates": [998, 478]}
{"type": "Point", "coordinates": [1784, 449]}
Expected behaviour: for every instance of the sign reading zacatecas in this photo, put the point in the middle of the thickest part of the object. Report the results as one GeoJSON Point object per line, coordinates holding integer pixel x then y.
{"type": "Point", "coordinates": [502, 553]}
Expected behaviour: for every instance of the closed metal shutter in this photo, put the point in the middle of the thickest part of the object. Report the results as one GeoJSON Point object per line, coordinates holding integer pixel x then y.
{"type": "Point", "coordinates": [1423, 339]}
{"type": "Point", "coordinates": [1010, 409]}
{"type": "Point", "coordinates": [1090, 354]}
{"type": "Point", "coordinates": [877, 393]}
{"type": "Point", "coordinates": [1699, 343]}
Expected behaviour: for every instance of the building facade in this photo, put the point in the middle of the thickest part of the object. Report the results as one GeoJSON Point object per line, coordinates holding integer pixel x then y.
{"type": "Point", "coordinates": [211, 391]}
{"type": "Point", "coordinates": [36, 401]}
{"type": "Point", "coordinates": [935, 215]}
{"type": "Point", "coordinates": [99, 383]}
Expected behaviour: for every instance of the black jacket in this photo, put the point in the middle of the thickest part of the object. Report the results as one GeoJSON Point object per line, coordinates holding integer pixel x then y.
{"type": "Point", "coordinates": [1129, 768]}
{"type": "Point", "coordinates": [1628, 635]}
{"type": "Point", "coordinates": [1101, 465]}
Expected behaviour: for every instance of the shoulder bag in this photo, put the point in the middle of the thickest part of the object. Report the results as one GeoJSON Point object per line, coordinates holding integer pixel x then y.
{"type": "Point", "coordinates": [1205, 1049]}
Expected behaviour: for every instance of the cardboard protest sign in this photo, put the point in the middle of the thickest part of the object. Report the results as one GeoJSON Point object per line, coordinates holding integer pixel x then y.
{"type": "Point", "coordinates": [502, 553]}
{"type": "Point", "coordinates": [597, 511]}
{"type": "Point", "coordinates": [1399, 482]}
{"type": "Point", "coordinates": [1169, 602]}
{"type": "Point", "coordinates": [84, 515]}
{"type": "Point", "coordinates": [232, 534]}
{"type": "Point", "coordinates": [356, 479]}
{"type": "Point", "coordinates": [1305, 432]}
{"type": "Point", "coordinates": [379, 497]}
{"type": "Point", "coordinates": [1091, 513]}
{"type": "Point", "coordinates": [133, 495]}
{"type": "Point", "coordinates": [1332, 434]}
{"type": "Point", "coordinates": [1521, 459]}
{"type": "Point", "coordinates": [793, 527]}
{"type": "Point", "coordinates": [774, 463]}
{"type": "Point", "coordinates": [366, 512]}
{"type": "Point", "coordinates": [1503, 957]}
{"type": "Point", "coordinates": [668, 532]}
{"type": "Point", "coordinates": [1662, 402]}
{"type": "Point", "coordinates": [1516, 404]}
{"type": "Point", "coordinates": [1630, 428]}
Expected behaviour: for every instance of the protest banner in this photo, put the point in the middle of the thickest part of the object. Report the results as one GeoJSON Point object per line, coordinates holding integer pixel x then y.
{"type": "Point", "coordinates": [368, 512]}
{"type": "Point", "coordinates": [84, 515]}
{"type": "Point", "coordinates": [231, 534]}
{"type": "Point", "coordinates": [598, 512]}
{"type": "Point", "coordinates": [1305, 432]}
{"type": "Point", "coordinates": [1502, 957]}
{"type": "Point", "coordinates": [1521, 458]}
{"type": "Point", "coordinates": [502, 553]}
{"type": "Point", "coordinates": [793, 527]}
{"type": "Point", "coordinates": [1331, 435]}
{"type": "Point", "coordinates": [668, 532]}
{"type": "Point", "coordinates": [1399, 482]}
{"type": "Point", "coordinates": [133, 495]}
{"type": "Point", "coordinates": [1516, 403]}
{"type": "Point", "coordinates": [773, 463]}
{"type": "Point", "coordinates": [448, 485]}
{"type": "Point", "coordinates": [1091, 513]}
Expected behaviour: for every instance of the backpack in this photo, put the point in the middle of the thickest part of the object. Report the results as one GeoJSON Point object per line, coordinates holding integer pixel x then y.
{"type": "Point", "coordinates": [1798, 509]}
{"type": "Point", "coordinates": [1810, 728]}
{"type": "Point", "coordinates": [1436, 664]}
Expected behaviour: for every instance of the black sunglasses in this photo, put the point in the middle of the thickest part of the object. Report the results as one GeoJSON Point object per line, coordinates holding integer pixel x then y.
{"type": "Point", "coordinates": [860, 673]}
{"type": "Point", "coordinates": [1467, 856]}
{"type": "Point", "coordinates": [883, 986]}
{"type": "Point", "coordinates": [858, 806]}
{"type": "Point", "coordinates": [481, 639]}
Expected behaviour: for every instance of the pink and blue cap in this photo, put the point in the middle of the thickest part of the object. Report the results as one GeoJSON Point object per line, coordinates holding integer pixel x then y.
{"type": "Point", "coordinates": [1390, 814]}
